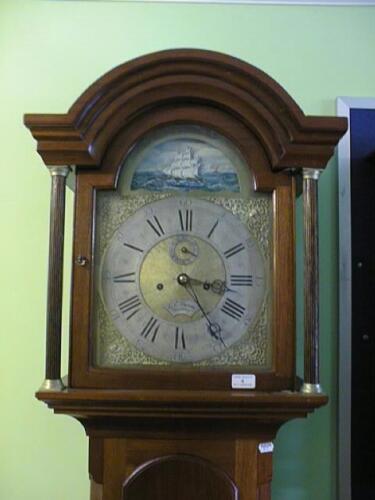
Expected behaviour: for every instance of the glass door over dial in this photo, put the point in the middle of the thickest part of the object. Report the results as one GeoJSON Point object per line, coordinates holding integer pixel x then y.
{"type": "Point", "coordinates": [183, 246]}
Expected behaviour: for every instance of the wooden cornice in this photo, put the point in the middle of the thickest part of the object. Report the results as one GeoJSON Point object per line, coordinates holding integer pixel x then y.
{"type": "Point", "coordinates": [183, 77]}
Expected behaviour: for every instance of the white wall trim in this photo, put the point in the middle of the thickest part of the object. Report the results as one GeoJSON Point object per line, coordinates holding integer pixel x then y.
{"type": "Point", "coordinates": [327, 3]}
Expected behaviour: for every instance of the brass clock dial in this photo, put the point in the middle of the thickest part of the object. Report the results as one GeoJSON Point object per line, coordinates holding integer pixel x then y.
{"type": "Point", "coordinates": [182, 279]}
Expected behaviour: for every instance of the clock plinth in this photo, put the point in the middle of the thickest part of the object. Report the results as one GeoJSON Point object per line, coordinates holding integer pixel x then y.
{"type": "Point", "coordinates": [215, 444]}
{"type": "Point", "coordinates": [184, 167]}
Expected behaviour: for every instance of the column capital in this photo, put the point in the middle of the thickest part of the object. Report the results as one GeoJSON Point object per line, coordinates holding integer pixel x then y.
{"type": "Point", "coordinates": [311, 173]}
{"type": "Point", "coordinates": [62, 170]}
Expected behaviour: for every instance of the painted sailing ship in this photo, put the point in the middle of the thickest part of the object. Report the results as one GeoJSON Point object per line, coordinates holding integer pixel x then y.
{"type": "Point", "coordinates": [185, 165]}
{"type": "Point", "coordinates": [185, 170]}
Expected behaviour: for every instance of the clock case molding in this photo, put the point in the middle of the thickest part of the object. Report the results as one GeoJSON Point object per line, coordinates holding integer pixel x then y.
{"type": "Point", "coordinates": [280, 144]}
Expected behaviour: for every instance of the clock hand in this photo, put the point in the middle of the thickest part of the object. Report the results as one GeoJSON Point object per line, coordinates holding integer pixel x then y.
{"type": "Point", "coordinates": [186, 250]}
{"type": "Point", "coordinates": [206, 284]}
{"type": "Point", "coordinates": [227, 289]}
{"type": "Point", "coordinates": [216, 286]}
{"type": "Point", "coordinates": [214, 328]}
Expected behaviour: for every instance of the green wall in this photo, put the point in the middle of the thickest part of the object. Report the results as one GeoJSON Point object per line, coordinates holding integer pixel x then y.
{"type": "Point", "coordinates": [50, 51]}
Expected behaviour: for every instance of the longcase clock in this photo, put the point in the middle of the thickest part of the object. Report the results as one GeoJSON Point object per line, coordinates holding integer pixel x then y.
{"type": "Point", "coordinates": [185, 167]}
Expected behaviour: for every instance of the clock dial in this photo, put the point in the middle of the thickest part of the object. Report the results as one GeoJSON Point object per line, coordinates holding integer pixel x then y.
{"type": "Point", "coordinates": [183, 279]}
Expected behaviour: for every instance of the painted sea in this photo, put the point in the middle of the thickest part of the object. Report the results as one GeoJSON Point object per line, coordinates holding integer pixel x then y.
{"type": "Point", "coordinates": [209, 181]}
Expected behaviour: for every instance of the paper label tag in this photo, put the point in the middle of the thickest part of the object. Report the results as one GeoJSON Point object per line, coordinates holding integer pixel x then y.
{"type": "Point", "coordinates": [266, 447]}
{"type": "Point", "coordinates": [243, 381]}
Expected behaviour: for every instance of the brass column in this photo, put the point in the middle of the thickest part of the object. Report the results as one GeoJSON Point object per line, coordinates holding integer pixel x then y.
{"type": "Point", "coordinates": [311, 281]}
{"type": "Point", "coordinates": [53, 380]}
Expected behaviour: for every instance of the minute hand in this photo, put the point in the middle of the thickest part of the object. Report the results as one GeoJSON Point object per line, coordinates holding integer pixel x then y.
{"type": "Point", "coordinates": [190, 289]}
{"type": "Point", "coordinates": [214, 328]}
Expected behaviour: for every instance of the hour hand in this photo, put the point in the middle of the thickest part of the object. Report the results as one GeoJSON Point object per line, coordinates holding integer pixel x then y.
{"type": "Point", "coordinates": [216, 286]}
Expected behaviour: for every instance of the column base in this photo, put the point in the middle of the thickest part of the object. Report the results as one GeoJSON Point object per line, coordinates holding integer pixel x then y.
{"type": "Point", "coordinates": [52, 385]}
{"type": "Point", "coordinates": [311, 388]}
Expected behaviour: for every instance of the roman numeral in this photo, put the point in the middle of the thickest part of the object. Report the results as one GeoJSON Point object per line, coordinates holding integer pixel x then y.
{"type": "Point", "coordinates": [179, 339]}
{"type": "Point", "coordinates": [213, 229]}
{"type": "Point", "coordinates": [241, 280]}
{"type": "Point", "coordinates": [124, 278]}
{"type": "Point", "coordinates": [152, 326]}
{"type": "Point", "coordinates": [233, 309]}
{"type": "Point", "coordinates": [186, 220]}
{"type": "Point", "coordinates": [234, 250]}
{"type": "Point", "coordinates": [114, 314]}
{"type": "Point", "coordinates": [156, 226]}
{"type": "Point", "coordinates": [133, 247]}
{"type": "Point", "coordinates": [131, 305]}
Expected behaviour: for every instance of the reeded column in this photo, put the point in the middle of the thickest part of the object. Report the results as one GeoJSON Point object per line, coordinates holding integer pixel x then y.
{"type": "Point", "coordinates": [311, 281]}
{"type": "Point", "coordinates": [52, 380]}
